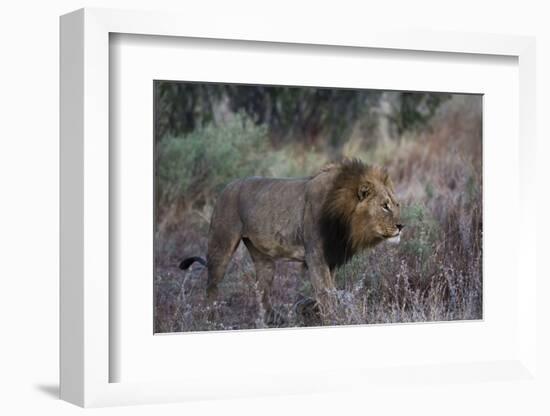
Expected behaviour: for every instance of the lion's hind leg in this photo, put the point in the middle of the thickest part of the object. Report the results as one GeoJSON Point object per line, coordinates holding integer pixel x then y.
{"type": "Point", "coordinates": [223, 238]}
{"type": "Point", "coordinates": [265, 271]}
{"type": "Point", "coordinates": [221, 246]}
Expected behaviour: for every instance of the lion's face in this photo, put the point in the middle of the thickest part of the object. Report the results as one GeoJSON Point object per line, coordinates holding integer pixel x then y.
{"type": "Point", "coordinates": [377, 214]}
{"type": "Point", "coordinates": [381, 212]}
{"type": "Point", "coordinates": [360, 211]}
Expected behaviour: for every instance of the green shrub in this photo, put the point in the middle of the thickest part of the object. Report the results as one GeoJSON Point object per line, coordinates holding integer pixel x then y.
{"type": "Point", "coordinates": [197, 165]}
{"type": "Point", "coordinates": [350, 273]}
{"type": "Point", "coordinates": [423, 230]}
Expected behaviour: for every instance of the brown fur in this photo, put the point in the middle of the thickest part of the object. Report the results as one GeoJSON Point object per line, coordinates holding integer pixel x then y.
{"type": "Point", "coordinates": [321, 221]}
{"type": "Point", "coordinates": [342, 223]}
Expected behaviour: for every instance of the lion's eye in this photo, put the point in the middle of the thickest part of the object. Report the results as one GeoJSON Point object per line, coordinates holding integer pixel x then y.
{"type": "Point", "coordinates": [386, 207]}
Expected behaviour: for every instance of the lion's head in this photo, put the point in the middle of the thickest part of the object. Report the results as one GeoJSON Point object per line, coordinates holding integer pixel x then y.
{"type": "Point", "coordinates": [361, 210]}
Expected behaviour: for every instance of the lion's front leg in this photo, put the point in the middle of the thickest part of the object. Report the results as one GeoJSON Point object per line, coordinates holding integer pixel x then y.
{"type": "Point", "coordinates": [318, 270]}
{"type": "Point", "coordinates": [323, 285]}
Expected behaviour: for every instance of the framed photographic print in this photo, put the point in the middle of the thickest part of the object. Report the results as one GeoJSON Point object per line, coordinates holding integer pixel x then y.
{"type": "Point", "coordinates": [237, 208]}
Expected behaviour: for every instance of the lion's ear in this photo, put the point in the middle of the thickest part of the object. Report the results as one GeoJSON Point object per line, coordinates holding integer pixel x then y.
{"type": "Point", "coordinates": [364, 191]}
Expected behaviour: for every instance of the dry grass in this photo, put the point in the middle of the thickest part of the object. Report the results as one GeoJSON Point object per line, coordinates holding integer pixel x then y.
{"type": "Point", "coordinates": [434, 274]}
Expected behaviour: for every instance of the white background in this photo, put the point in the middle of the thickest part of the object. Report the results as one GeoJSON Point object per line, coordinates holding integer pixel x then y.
{"type": "Point", "coordinates": [29, 207]}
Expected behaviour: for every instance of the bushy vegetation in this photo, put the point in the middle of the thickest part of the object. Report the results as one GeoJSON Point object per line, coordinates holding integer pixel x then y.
{"type": "Point", "coordinates": [303, 115]}
{"type": "Point", "coordinates": [195, 166]}
{"type": "Point", "coordinates": [434, 274]}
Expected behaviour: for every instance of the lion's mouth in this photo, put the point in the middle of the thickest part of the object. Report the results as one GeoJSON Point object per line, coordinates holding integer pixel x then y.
{"type": "Point", "coordinates": [395, 238]}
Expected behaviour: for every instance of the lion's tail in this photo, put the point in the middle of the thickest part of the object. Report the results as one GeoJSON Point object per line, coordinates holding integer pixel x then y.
{"type": "Point", "coordinates": [185, 264]}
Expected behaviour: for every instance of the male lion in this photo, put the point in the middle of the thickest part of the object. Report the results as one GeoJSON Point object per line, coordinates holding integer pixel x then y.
{"type": "Point", "coordinates": [321, 221]}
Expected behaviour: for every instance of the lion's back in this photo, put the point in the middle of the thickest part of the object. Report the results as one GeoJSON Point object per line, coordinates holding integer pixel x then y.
{"type": "Point", "coordinates": [269, 211]}
{"type": "Point", "coordinates": [271, 205]}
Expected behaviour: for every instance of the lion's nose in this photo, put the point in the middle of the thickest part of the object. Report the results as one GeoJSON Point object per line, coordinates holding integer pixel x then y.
{"type": "Point", "coordinates": [399, 226]}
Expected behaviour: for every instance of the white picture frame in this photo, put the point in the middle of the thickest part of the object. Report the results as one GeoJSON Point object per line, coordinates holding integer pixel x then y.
{"type": "Point", "coordinates": [85, 353]}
